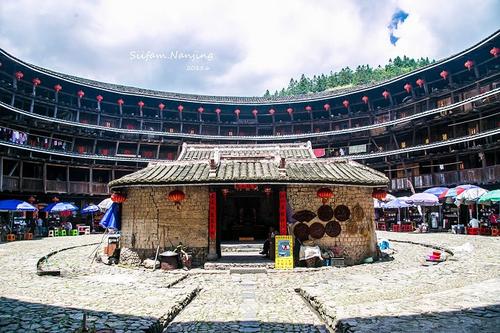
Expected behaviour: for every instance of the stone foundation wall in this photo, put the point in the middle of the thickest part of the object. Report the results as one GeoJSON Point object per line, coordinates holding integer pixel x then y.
{"type": "Point", "coordinates": [357, 237]}
{"type": "Point", "coordinates": [149, 220]}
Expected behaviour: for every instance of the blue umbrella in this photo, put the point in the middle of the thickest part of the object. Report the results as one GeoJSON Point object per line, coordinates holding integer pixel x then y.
{"type": "Point", "coordinates": [111, 220]}
{"type": "Point", "coordinates": [437, 191]}
{"type": "Point", "coordinates": [90, 209]}
{"type": "Point", "coordinates": [16, 205]}
{"type": "Point", "coordinates": [60, 207]}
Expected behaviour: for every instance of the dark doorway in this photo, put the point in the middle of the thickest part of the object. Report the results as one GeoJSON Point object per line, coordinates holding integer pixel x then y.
{"type": "Point", "coordinates": [246, 215]}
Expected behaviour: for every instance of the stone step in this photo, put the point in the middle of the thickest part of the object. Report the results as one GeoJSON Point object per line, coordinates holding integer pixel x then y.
{"type": "Point", "coordinates": [241, 247]}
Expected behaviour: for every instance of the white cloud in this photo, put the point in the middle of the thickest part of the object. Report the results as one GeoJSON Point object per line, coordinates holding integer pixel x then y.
{"type": "Point", "coordinates": [258, 44]}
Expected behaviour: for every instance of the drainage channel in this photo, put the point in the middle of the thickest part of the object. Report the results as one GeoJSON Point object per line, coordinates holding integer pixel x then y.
{"type": "Point", "coordinates": [315, 308]}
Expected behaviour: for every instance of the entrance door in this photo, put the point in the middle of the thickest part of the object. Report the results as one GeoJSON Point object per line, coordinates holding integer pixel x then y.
{"type": "Point", "coordinates": [246, 215]}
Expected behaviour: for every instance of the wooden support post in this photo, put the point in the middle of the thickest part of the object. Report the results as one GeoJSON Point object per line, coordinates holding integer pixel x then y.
{"type": "Point", "coordinates": [1, 173]}
{"type": "Point", "coordinates": [282, 211]}
{"type": "Point", "coordinates": [67, 180]}
{"type": "Point", "coordinates": [91, 176]}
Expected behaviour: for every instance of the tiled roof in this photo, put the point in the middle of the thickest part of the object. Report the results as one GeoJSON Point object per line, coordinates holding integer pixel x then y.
{"type": "Point", "coordinates": [199, 164]}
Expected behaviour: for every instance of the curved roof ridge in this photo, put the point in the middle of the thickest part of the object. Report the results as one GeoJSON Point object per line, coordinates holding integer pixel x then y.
{"type": "Point", "coordinates": [251, 100]}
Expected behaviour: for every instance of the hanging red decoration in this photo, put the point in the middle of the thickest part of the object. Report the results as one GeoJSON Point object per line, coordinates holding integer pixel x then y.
{"type": "Point", "coordinates": [365, 99]}
{"type": "Point", "coordinates": [140, 104]}
{"type": "Point", "coordinates": [237, 112]}
{"type": "Point", "coordinates": [386, 94]}
{"type": "Point", "coordinates": [201, 109]}
{"type": "Point", "coordinates": [161, 106]}
{"type": "Point", "coordinates": [444, 74]}
{"type": "Point", "coordinates": [36, 81]}
{"type": "Point", "coordinates": [268, 191]}
{"type": "Point", "coordinates": [407, 87]}
{"type": "Point", "coordinates": [326, 106]}
{"type": "Point", "coordinates": [495, 51]}
{"type": "Point", "coordinates": [120, 102]}
{"type": "Point", "coordinates": [245, 187]}
{"type": "Point", "coordinates": [176, 196]}
{"type": "Point", "coordinates": [118, 198]}
{"type": "Point", "coordinates": [225, 192]}
{"type": "Point", "coordinates": [379, 194]}
{"type": "Point", "coordinates": [19, 75]}
{"type": "Point", "coordinates": [468, 64]}
{"type": "Point", "coordinates": [212, 216]}
{"type": "Point", "coordinates": [308, 108]}
{"type": "Point", "coordinates": [420, 83]}
{"type": "Point", "coordinates": [289, 110]}
{"type": "Point", "coordinates": [271, 112]}
{"type": "Point", "coordinates": [218, 111]}
{"type": "Point", "coordinates": [99, 98]}
{"type": "Point", "coordinates": [57, 87]}
{"type": "Point", "coordinates": [255, 112]}
{"type": "Point", "coordinates": [180, 108]}
{"type": "Point", "coordinates": [345, 103]}
{"type": "Point", "coordinates": [325, 194]}
{"type": "Point", "coordinates": [80, 93]}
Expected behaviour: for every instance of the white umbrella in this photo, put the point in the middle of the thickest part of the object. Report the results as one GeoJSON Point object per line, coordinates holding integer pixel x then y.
{"type": "Point", "coordinates": [105, 204]}
{"type": "Point", "coordinates": [471, 195]}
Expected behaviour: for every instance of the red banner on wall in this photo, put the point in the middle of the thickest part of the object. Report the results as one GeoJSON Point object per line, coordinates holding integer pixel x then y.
{"type": "Point", "coordinates": [212, 216]}
{"type": "Point", "coordinates": [283, 230]}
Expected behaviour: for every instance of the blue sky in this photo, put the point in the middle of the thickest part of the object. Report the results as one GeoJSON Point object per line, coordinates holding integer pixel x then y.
{"type": "Point", "coordinates": [227, 47]}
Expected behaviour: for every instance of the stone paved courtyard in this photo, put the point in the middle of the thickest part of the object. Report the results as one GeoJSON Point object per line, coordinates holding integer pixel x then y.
{"type": "Point", "coordinates": [459, 295]}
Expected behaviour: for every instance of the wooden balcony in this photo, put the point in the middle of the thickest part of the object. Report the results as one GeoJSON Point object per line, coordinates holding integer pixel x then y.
{"type": "Point", "coordinates": [488, 175]}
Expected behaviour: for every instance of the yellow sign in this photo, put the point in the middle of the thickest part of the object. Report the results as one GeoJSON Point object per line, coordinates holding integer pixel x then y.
{"type": "Point", "coordinates": [284, 252]}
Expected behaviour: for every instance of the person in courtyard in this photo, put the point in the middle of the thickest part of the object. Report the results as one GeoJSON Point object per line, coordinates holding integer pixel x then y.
{"type": "Point", "coordinates": [267, 243]}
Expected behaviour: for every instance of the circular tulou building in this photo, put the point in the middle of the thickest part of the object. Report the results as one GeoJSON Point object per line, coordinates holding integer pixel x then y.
{"type": "Point", "coordinates": [215, 193]}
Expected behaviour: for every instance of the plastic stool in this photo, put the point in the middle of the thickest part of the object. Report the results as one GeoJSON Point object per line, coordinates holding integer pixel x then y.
{"type": "Point", "coordinates": [494, 231]}
{"type": "Point", "coordinates": [87, 231]}
{"type": "Point", "coordinates": [74, 232]}
{"type": "Point", "coordinates": [62, 233]}
{"type": "Point", "coordinates": [51, 233]}
{"type": "Point", "coordinates": [11, 237]}
{"type": "Point", "coordinates": [28, 236]}
{"type": "Point", "coordinates": [57, 233]}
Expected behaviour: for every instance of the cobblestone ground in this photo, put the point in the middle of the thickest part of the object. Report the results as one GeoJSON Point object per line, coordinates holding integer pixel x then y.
{"type": "Point", "coordinates": [459, 295]}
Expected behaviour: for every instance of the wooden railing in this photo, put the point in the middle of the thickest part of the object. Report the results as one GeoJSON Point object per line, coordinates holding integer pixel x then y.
{"type": "Point", "coordinates": [479, 176]}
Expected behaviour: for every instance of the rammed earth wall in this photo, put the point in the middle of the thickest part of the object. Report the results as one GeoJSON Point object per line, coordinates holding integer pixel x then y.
{"type": "Point", "coordinates": [357, 237]}
{"type": "Point", "coordinates": [149, 220]}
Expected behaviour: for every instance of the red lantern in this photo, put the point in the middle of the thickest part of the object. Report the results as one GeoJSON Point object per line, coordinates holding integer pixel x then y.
{"type": "Point", "coordinates": [225, 192]}
{"type": "Point", "coordinates": [271, 112]}
{"type": "Point", "coordinates": [57, 88]}
{"type": "Point", "coordinates": [444, 74]}
{"type": "Point", "coordinates": [407, 87]}
{"type": "Point", "coordinates": [218, 111]}
{"type": "Point", "coordinates": [268, 191]}
{"type": "Point", "coordinates": [386, 94]}
{"type": "Point", "coordinates": [255, 112]}
{"type": "Point", "coordinates": [420, 83]}
{"type": "Point", "coordinates": [237, 112]}
{"type": "Point", "coordinates": [327, 106]}
{"type": "Point", "coordinates": [176, 196]}
{"type": "Point", "coordinates": [289, 110]}
{"type": "Point", "coordinates": [325, 194]}
{"type": "Point", "coordinates": [468, 64]}
{"type": "Point", "coordinates": [80, 93]}
{"type": "Point", "coordinates": [19, 75]}
{"type": "Point", "coordinates": [140, 104]}
{"type": "Point", "coordinates": [365, 99]}
{"type": "Point", "coordinates": [161, 106]}
{"type": "Point", "coordinates": [180, 108]}
{"type": "Point", "coordinates": [201, 109]}
{"type": "Point", "coordinates": [345, 103]}
{"type": "Point", "coordinates": [495, 51]}
{"type": "Point", "coordinates": [308, 108]}
{"type": "Point", "coordinates": [379, 194]}
{"type": "Point", "coordinates": [120, 102]}
{"type": "Point", "coordinates": [99, 98]}
{"type": "Point", "coordinates": [36, 81]}
{"type": "Point", "coordinates": [118, 198]}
